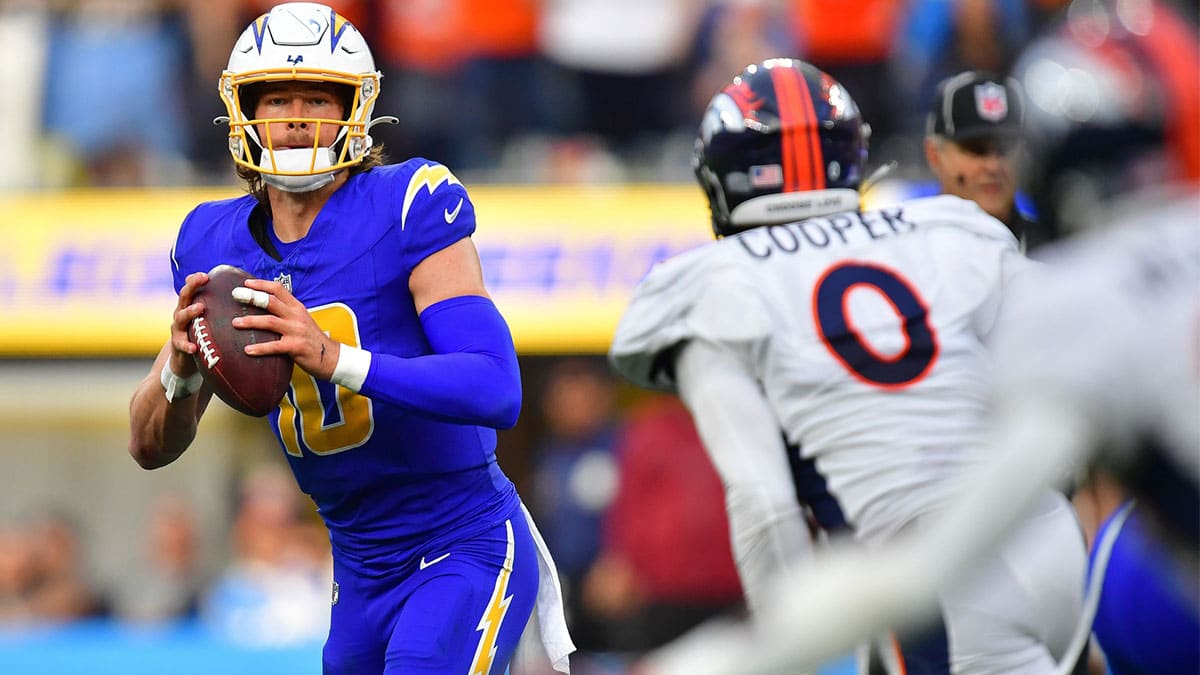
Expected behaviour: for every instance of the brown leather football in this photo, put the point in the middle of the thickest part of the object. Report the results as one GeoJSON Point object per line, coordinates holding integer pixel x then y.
{"type": "Point", "coordinates": [252, 385]}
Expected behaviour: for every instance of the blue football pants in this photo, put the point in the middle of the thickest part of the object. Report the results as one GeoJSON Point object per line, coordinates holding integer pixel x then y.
{"type": "Point", "coordinates": [457, 610]}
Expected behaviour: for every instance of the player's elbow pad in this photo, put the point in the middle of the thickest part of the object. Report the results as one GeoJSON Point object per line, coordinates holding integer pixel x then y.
{"type": "Point", "coordinates": [471, 378]}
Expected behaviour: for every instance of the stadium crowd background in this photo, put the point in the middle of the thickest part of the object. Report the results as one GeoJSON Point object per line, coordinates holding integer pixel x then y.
{"type": "Point", "coordinates": [121, 94]}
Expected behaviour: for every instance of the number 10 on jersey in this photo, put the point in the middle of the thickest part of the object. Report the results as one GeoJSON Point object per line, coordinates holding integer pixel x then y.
{"type": "Point", "coordinates": [332, 419]}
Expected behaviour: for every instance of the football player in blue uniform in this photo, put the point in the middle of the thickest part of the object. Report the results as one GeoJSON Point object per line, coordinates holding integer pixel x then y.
{"type": "Point", "coordinates": [404, 368]}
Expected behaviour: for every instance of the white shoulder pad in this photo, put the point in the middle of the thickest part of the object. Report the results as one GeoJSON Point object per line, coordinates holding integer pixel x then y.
{"type": "Point", "coordinates": [964, 214]}
{"type": "Point", "coordinates": [701, 294]}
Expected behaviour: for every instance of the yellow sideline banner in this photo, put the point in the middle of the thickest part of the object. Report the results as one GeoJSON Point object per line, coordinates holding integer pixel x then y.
{"type": "Point", "coordinates": [87, 273]}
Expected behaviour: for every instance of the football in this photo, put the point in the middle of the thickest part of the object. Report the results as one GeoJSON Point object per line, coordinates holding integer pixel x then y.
{"type": "Point", "coordinates": [252, 385]}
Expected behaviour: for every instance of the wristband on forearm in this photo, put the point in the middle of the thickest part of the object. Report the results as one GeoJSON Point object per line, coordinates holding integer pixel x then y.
{"type": "Point", "coordinates": [352, 368]}
{"type": "Point", "coordinates": [178, 388]}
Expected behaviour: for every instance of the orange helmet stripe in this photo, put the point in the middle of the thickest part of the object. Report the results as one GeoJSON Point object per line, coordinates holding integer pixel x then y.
{"type": "Point", "coordinates": [800, 139]}
{"type": "Point", "coordinates": [812, 143]}
{"type": "Point", "coordinates": [787, 123]}
{"type": "Point", "coordinates": [1172, 47]}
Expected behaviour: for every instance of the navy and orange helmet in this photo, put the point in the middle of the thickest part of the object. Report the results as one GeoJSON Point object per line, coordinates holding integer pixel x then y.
{"type": "Point", "coordinates": [782, 142]}
{"type": "Point", "coordinates": [1114, 111]}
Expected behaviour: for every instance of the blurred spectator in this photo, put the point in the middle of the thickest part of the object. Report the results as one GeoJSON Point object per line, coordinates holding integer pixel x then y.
{"type": "Point", "coordinates": [735, 33]}
{"type": "Point", "coordinates": [357, 11]}
{"type": "Point", "coordinates": [629, 64]}
{"type": "Point", "coordinates": [853, 41]}
{"type": "Point", "coordinates": [18, 571]}
{"type": "Point", "coordinates": [503, 81]}
{"type": "Point", "coordinates": [209, 27]}
{"type": "Point", "coordinates": [42, 572]}
{"type": "Point", "coordinates": [168, 581]}
{"type": "Point", "coordinates": [418, 48]}
{"type": "Point", "coordinates": [61, 590]}
{"type": "Point", "coordinates": [114, 97]}
{"type": "Point", "coordinates": [536, 90]}
{"type": "Point", "coordinates": [942, 37]}
{"type": "Point", "coordinates": [276, 589]}
{"type": "Point", "coordinates": [667, 563]}
{"type": "Point", "coordinates": [464, 77]}
{"type": "Point", "coordinates": [23, 27]}
{"type": "Point", "coordinates": [575, 480]}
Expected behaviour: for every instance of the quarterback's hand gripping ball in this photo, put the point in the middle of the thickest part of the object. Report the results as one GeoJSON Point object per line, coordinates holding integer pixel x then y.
{"type": "Point", "coordinates": [252, 385]}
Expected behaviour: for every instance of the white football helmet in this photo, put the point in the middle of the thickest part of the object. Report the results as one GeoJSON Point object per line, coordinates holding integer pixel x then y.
{"type": "Point", "coordinates": [309, 42]}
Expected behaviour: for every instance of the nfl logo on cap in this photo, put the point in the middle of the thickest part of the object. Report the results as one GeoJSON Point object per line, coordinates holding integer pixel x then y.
{"type": "Point", "coordinates": [991, 101]}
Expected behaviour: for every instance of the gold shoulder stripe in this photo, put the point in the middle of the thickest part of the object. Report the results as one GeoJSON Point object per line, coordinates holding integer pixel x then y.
{"type": "Point", "coordinates": [429, 176]}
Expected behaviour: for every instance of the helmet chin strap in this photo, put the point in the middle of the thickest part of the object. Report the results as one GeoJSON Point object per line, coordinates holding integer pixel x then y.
{"type": "Point", "coordinates": [295, 160]}
{"type": "Point", "coordinates": [300, 160]}
{"type": "Point", "coordinates": [299, 183]}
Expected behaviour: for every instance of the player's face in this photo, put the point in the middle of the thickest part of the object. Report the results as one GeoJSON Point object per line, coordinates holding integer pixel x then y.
{"type": "Point", "coordinates": [982, 170]}
{"type": "Point", "coordinates": [296, 103]}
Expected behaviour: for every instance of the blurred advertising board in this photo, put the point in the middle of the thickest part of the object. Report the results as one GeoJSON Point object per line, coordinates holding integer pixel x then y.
{"type": "Point", "coordinates": [86, 273]}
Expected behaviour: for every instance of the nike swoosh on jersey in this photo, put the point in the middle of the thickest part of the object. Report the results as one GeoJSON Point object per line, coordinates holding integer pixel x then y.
{"type": "Point", "coordinates": [452, 215]}
{"type": "Point", "coordinates": [435, 561]}
{"type": "Point", "coordinates": [430, 177]}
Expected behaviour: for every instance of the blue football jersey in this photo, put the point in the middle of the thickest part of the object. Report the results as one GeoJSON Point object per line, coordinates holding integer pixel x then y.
{"type": "Point", "coordinates": [390, 483]}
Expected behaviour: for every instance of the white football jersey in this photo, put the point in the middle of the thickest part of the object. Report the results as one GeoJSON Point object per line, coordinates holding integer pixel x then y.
{"type": "Point", "coordinates": [1112, 322]}
{"type": "Point", "coordinates": [867, 332]}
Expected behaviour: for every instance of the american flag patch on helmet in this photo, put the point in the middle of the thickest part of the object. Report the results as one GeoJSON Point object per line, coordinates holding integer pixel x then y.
{"type": "Point", "coordinates": [766, 176]}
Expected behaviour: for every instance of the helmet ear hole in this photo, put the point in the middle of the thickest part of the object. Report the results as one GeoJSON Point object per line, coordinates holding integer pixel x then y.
{"type": "Point", "coordinates": [711, 184]}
